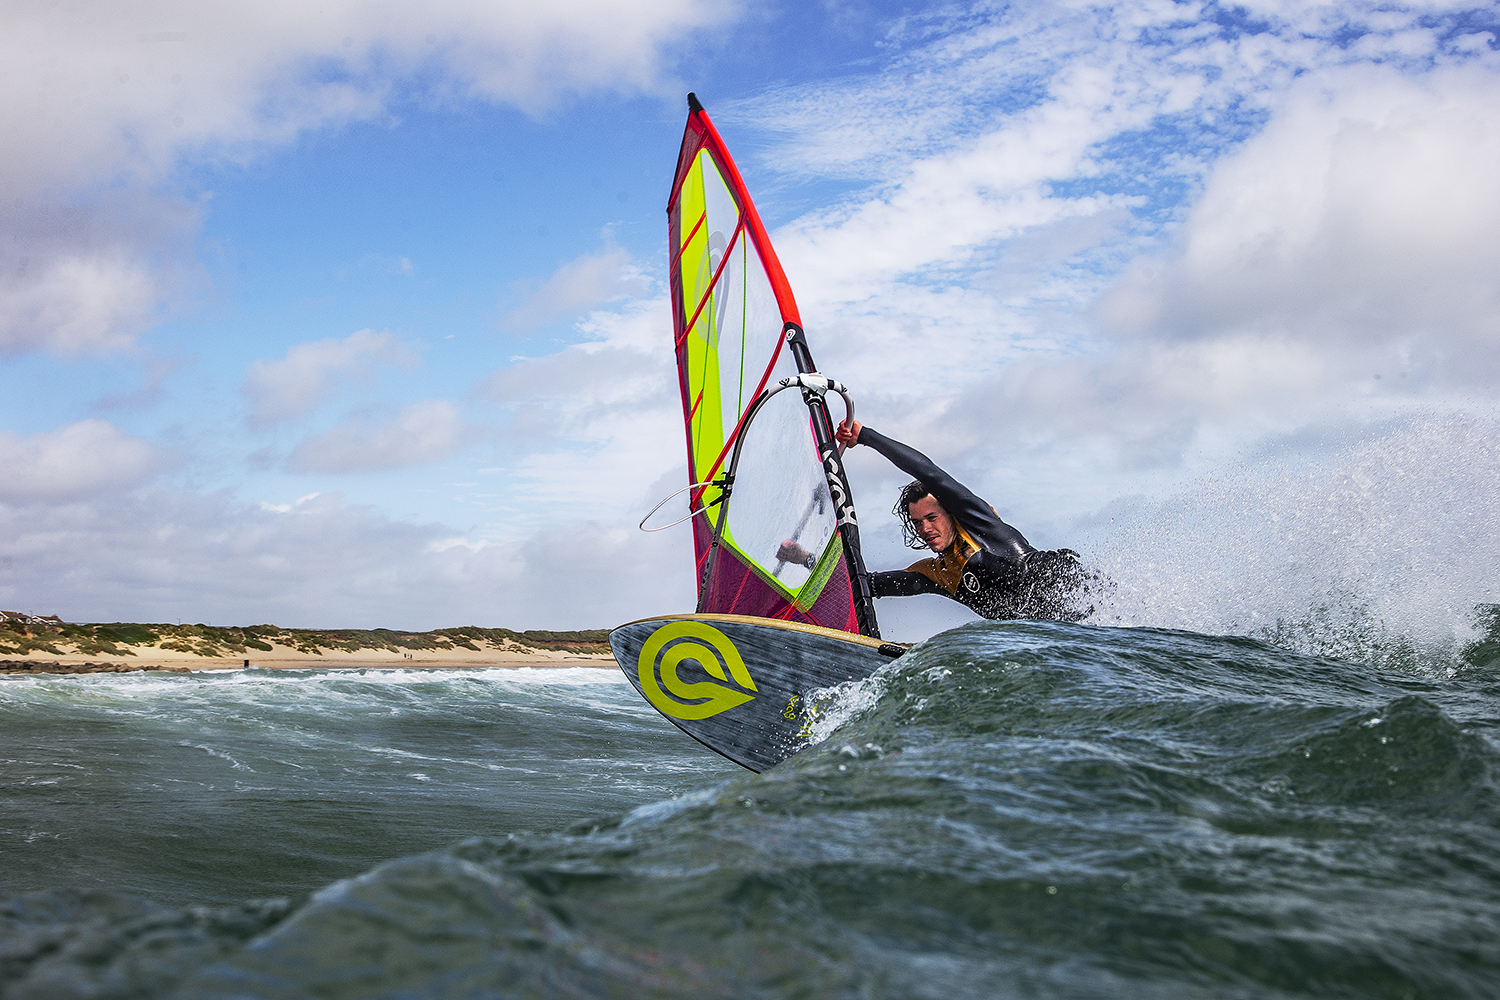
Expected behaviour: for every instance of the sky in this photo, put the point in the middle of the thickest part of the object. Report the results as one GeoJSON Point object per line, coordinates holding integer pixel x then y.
{"type": "Point", "coordinates": [356, 316]}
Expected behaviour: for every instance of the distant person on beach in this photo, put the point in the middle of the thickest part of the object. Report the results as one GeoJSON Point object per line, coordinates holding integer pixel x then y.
{"type": "Point", "coordinates": [981, 562]}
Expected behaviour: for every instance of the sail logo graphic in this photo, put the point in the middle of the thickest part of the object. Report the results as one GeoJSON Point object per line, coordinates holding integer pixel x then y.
{"type": "Point", "coordinates": [841, 501]}
{"type": "Point", "coordinates": [677, 642]}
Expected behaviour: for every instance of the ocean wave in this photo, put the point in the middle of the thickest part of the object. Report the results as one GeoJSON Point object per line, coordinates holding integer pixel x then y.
{"type": "Point", "coordinates": [1016, 809]}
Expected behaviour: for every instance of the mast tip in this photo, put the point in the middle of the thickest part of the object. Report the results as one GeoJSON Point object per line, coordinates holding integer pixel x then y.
{"type": "Point", "coordinates": [693, 104]}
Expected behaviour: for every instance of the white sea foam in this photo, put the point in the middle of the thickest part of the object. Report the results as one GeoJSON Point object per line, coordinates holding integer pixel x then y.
{"type": "Point", "coordinates": [212, 752]}
{"type": "Point", "coordinates": [361, 691]}
{"type": "Point", "coordinates": [152, 682]}
{"type": "Point", "coordinates": [656, 811]}
{"type": "Point", "coordinates": [831, 707]}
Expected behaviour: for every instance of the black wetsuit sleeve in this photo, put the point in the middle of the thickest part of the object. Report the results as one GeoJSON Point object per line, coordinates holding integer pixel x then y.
{"type": "Point", "coordinates": [973, 514]}
{"type": "Point", "coordinates": [903, 583]}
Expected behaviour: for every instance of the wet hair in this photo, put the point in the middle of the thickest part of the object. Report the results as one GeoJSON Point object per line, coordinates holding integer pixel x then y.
{"type": "Point", "coordinates": [910, 494]}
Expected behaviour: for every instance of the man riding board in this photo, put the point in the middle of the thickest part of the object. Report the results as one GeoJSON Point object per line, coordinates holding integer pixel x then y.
{"type": "Point", "coordinates": [981, 562]}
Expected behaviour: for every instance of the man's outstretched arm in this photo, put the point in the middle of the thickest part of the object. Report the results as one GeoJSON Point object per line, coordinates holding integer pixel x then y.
{"type": "Point", "coordinates": [957, 499]}
{"type": "Point", "coordinates": [972, 513]}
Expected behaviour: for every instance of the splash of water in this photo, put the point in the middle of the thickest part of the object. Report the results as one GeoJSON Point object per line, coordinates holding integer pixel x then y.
{"type": "Point", "coordinates": [1383, 550]}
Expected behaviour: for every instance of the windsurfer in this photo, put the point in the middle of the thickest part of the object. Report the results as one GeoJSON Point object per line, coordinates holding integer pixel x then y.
{"type": "Point", "coordinates": [981, 562]}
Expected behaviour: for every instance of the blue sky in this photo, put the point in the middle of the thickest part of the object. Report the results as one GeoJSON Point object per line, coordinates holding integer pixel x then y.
{"type": "Point", "coordinates": [356, 316]}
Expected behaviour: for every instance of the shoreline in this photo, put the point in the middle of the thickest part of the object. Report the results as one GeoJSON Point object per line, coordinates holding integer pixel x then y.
{"type": "Point", "coordinates": [48, 645]}
{"type": "Point", "coordinates": [172, 661]}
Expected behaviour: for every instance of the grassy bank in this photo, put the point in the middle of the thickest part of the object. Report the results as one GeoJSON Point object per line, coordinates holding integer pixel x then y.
{"type": "Point", "coordinates": [116, 638]}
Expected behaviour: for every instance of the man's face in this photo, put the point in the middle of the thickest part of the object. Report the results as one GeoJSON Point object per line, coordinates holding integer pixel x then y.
{"type": "Point", "coordinates": [934, 526]}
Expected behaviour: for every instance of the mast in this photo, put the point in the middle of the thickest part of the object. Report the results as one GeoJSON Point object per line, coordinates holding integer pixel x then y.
{"type": "Point", "coordinates": [838, 486]}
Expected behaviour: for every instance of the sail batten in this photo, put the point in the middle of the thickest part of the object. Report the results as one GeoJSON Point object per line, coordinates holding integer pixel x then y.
{"type": "Point", "coordinates": [729, 251]}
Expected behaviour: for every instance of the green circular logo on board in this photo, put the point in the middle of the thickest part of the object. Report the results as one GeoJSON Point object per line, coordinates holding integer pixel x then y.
{"type": "Point", "coordinates": [675, 642]}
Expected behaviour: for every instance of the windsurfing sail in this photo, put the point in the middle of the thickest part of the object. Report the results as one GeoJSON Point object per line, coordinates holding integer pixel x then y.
{"type": "Point", "coordinates": [738, 335]}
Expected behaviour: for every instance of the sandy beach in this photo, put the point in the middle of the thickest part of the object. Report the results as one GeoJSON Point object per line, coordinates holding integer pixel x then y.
{"type": "Point", "coordinates": [287, 658]}
{"type": "Point", "coordinates": [33, 644]}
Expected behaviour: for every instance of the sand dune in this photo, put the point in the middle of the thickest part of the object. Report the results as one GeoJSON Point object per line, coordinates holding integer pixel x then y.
{"type": "Point", "coordinates": [48, 645]}
{"type": "Point", "coordinates": [286, 658]}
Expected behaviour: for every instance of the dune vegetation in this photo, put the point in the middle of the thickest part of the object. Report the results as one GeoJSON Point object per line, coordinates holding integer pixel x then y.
{"type": "Point", "coordinates": [19, 638]}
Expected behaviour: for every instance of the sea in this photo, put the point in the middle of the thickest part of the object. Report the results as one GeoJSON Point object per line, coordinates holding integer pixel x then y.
{"type": "Point", "coordinates": [1010, 810]}
{"type": "Point", "coordinates": [1267, 767]}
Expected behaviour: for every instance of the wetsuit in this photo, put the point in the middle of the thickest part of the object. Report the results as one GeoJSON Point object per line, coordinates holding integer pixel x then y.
{"type": "Point", "coordinates": [990, 567]}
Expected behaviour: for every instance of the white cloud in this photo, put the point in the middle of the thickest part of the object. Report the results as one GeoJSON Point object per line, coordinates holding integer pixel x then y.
{"type": "Point", "coordinates": [415, 435]}
{"type": "Point", "coordinates": [575, 288]}
{"type": "Point", "coordinates": [1013, 119]}
{"type": "Point", "coordinates": [594, 426]}
{"type": "Point", "coordinates": [85, 279]}
{"type": "Point", "coordinates": [297, 383]}
{"type": "Point", "coordinates": [286, 508]}
{"type": "Point", "coordinates": [78, 461]}
{"type": "Point", "coordinates": [324, 563]}
{"type": "Point", "coordinates": [595, 383]}
{"type": "Point", "coordinates": [1339, 265]}
{"type": "Point", "coordinates": [106, 102]}
{"type": "Point", "coordinates": [1366, 211]}
{"type": "Point", "coordinates": [97, 92]}
{"type": "Point", "coordinates": [77, 303]}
